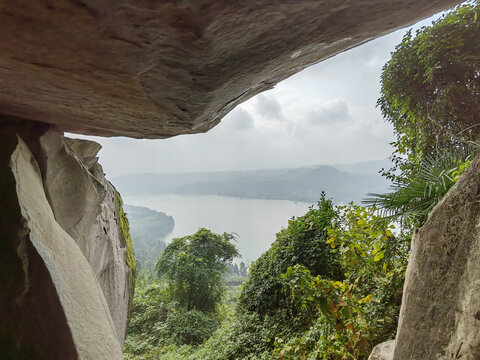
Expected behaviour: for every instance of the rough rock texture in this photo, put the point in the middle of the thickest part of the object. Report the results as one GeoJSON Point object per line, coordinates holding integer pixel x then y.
{"type": "Point", "coordinates": [153, 69]}
{"type": "Point", "coordinates": [83, 303]}
{"type": "Point", "coordinates": [33, 324]}
{"type": "Point", "coordinates": [84, 204]}
{"type": "Point", "coordinates": [383, 351]}
{"type": "Point", "coordinates": [65, 282]}
{"type": "Point", "coordinates": [440, 313]}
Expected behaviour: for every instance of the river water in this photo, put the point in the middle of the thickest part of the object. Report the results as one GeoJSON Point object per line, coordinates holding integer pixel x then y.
{"type": "Point", "coordinates": [255, 221]}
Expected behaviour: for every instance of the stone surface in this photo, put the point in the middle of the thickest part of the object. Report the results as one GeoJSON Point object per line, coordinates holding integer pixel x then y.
{"type": "Point", "coordinates": [32, 321]}
{"type": "Point", "coordinates": [440, 313]}
{"type": "Point", "coordinates": [154, 69]}
{"type": "Point", "coordinates": [63, 254]}
{"type": "Point", "coordinates": [383, 351]}
{"type": "Point", "coordinates": [88, 319]}
{"type": "Point", "coordinates": [84, 204]}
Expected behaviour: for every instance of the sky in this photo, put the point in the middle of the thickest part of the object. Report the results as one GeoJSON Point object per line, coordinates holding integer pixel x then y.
{"type": "Point", "coordinates": [325, 114]}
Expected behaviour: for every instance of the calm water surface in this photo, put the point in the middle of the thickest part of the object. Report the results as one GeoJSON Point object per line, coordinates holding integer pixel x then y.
{"type": "Point", "coordinates": [255, 221]}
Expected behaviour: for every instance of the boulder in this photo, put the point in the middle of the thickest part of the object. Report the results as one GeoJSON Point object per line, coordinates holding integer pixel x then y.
{"type": "Point", "coordinates": [383, 351]}
{"type": "Point", "coordinates": [440, 313]}
{"type": "Point", "coordinates": [154, 69]}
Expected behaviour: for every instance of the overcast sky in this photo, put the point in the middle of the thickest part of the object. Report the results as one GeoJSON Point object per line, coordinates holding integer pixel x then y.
{"type": "Point", "coordinates": [325, 114]}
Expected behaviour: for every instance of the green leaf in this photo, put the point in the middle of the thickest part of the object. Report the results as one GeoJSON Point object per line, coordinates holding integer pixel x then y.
{"type": "Point", "coordinates": [324, 306]}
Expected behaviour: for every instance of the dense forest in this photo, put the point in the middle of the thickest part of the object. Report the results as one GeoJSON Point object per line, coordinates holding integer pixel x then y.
{"type": "Point", "coordinates": [330, 286]}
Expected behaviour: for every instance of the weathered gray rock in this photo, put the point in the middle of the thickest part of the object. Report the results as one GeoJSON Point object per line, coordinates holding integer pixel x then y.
{"type": "Point", "coordinates": [33, 324]}
{"type": "Point", "coordinates": [383, 351]}
{"type": "Point", "coordinates": [88, 323]}
{"type": "Point", "coordinates": [85, 205]}
{"type": "Point", "coordinates": [440, 313]}
{"type": "Point", "coordinates": [66, 274]}
{"type": "Point", "coordinates": [154, 69]}
{"type": "Point", "coordinates": [85, 150]}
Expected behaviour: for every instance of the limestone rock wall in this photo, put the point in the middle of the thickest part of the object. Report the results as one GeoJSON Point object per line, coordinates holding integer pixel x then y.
{"type": "Point", "coordinates": [85, 205]}
{"type": "Point", "coordinates": [440, 313]}
{"type": "Point", "coordinates": [66, 283]}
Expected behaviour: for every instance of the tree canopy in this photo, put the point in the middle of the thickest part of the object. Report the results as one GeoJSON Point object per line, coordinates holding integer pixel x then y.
{"type": "Point", "coordinates": [431, 95]}
{"type": "Point", "coordinates": [193, 266]}
{"type": "Point", "coordinates": [431, 88]}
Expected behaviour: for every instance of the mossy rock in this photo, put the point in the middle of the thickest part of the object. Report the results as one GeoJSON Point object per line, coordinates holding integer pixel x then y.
{"type": "Point", "coordinates": [130, 252]}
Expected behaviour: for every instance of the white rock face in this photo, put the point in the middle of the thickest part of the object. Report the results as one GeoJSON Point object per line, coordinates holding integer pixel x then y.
{"type": "Point", "coordinates": [84, 305]}
{"type": "Point", "coordinates": [84, 204]}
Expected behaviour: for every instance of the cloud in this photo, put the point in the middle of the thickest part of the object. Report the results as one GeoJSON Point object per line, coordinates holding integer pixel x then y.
{"type": "Point", "coordinates": [268, 107]}
{"type": "Point", "coordinates": [238, 119]}
{"type": "Point", "coordinates": [329, 112]}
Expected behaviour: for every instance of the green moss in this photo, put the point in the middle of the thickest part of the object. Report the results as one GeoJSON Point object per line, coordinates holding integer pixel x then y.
{"type": "Point", "coordinates": [129, 253]}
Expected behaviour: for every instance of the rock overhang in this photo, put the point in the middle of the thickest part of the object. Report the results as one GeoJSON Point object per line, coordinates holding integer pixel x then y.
{"type": "Point", "coordinates": [148, 69]}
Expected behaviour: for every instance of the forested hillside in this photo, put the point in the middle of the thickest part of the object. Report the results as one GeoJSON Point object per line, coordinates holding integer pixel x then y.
{"type": "Point", "coordinates": [147, 229]}
{"type": "Point", "coordinates": [301, 184]}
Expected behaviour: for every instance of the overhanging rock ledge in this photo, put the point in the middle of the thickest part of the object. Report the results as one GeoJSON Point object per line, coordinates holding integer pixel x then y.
{"type": "Point", "coordinates": [155, 69]}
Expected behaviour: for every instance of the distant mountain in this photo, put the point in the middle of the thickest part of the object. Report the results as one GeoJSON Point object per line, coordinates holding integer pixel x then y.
{"type": "Point", "coordinates": [147, 229]}
{"type": "Point", "coordinates": [299, 184]}
{"type": "Point", "coordinates": [304, 184]}
{"type": "Point", "coordinates": [366, 168]}
{"type": "Point", "coordinates": [155, 183]}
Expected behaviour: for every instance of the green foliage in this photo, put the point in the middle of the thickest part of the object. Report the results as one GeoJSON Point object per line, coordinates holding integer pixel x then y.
{"type": "Point", "coordinates": [360, 311]}
{"type": "Point", "coordinates": [193, 267]}
{"type": "Point", "coordinates": [337, 296]}
{"type": "Point", "coordinates": [158, 324]}
{"type": "Point", "coordinates": [179, 308]}
{"type": "Point", "coordinates": [431, 89]}
{"type": "Point", "coordinates": [302, 242]}
{"type": "Point", "coordinates": [246, 336]}
{"type": "Point", "coordinates": [413, 198]}
{"type": "Point", "coordinates": [129, 253]}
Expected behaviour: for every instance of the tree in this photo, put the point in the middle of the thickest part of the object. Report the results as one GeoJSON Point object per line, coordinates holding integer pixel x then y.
{"type": "Point", "coordinates": [193, 267]}
{"type": "Point", "coordinates": [431, 89]}
{"type": "Point", "coordinates": [431, 94]}
{"type": "Point", "coordinates": [243, 269]}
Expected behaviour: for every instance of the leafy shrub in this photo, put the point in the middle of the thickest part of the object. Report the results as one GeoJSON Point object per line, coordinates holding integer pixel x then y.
{"type": "Point", "coordinates": [158, 323]}
{"type": "Point", "coordinates": [430, 89]}
{"type": "Point", "coordinates": [362, 310]}
{"type": "Point", "coordinates": [413, 198]}
{"type": "Point", "coordinates": [302, 242]}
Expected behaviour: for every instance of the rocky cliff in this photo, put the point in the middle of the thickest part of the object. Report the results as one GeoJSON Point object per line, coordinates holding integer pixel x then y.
{"type": "Point", "coordinates": [64, 256]}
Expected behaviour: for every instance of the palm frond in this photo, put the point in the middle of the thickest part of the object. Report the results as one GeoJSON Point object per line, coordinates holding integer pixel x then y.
{"type": "Point", "coordinates": [411, 199]}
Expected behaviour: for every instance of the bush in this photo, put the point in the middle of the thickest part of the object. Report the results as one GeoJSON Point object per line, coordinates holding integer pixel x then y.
{"type": "Point", "coordinates": [362, 310]}
{"type": "Point", "coordinates": [302, 242]}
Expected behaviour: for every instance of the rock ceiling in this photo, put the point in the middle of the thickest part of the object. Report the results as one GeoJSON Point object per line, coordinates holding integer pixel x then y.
{"type": "Point", "coordinates": [155, 69]}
